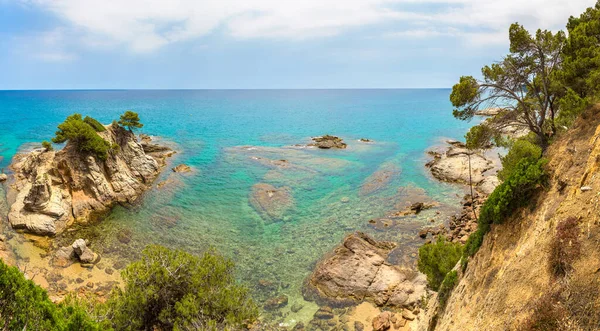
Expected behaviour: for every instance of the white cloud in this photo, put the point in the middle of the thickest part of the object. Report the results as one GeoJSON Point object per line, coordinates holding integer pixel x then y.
{"type": "Point", "coordinates": [146, 25]}
{"type": "Point", "coordinates": [49, 46]}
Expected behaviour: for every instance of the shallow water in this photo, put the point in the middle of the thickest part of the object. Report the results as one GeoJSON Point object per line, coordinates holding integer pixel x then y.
{"type": "Point", "coordinates": [212, 131]}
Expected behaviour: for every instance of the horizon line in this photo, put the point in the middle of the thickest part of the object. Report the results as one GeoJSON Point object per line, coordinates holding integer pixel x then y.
{"type": "Point", "coordinates": [227, 89]}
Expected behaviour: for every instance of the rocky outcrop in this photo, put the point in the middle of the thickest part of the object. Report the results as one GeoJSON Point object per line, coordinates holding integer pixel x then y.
{"type": "Point", "coordinates": [380, 179]}
{"type": "Point", "coordinates": [182, 168]}
{"type": "Point", "coordinates": [53, 189]}
{"type": "Point", "coordinates": [328, 142]}
{"type": "Point", "coordinates": [3, 177]}
{"type": "Point", "coordinates": [78, 251]}
{"type": "Point", "coordinates": [271, 202]}
{"type": "Point", "coordinates": [453, 166]}
{"type": "Point", "coordinates": [493, 111]}
{"type": "Point", "coordinates": [358, 270]}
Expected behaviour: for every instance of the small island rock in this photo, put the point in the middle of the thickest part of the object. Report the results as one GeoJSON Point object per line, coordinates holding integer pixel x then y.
{"type": "Point", "coordinates": [328, 142]}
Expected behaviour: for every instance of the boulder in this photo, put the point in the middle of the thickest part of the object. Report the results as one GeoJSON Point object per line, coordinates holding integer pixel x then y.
{"type": "Point", "coordinates": [324, 313]}
{"type": "Point", "coordinates": [358, 270]}
{"type": "Point", "coordinates": [79, 246]}
{"type": "Point", "coordinates": [55, 189]}
{"type": "Point", "coordinates": [382, 321]}
{"type": "Point", "coordinates": [454, 167]}
{"type": "Point", "coordinates": [271, 202]}
{"type": "Point", "coordinates": [328, 142]}
{"type": "Point", "coordinates": [3, 177]}
{"type": "Point", "coordinates": [182, 168]}
{"type": "Point", "coordinates": [276, 302]}
{"type": "Point", "coordinates": [488, 185]}
{"type": "Point", "coordinates": [64, 257]}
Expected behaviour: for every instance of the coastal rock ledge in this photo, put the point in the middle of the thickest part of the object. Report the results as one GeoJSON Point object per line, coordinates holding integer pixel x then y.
{"type": "Point", "coordinates": [358, 270]}
{"type": "Point", "coordinates": [53, 189]}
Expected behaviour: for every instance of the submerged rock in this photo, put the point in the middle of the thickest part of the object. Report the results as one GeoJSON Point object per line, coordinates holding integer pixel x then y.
{"type": "Point", "coordinates": [276, 302]}
{"type": "Point", "coordinates": [54, 189]}
{"type": "Point", "coordinates": [380, 179]}
{"type": "Point", "coordinates": [270, 202]}
{"type": "Point", "coordinates": [328, 142]}
{"type": "Point", "coordinates": [182, 168]}
{"type": "Point", "coordinates": [358, 270]}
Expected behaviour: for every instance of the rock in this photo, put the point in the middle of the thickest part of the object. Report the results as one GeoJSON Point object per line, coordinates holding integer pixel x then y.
{"type": "Point", "coordinates": [382, 321]}
{"type": "Point", "coordinates": [585, 188]}
{"type": "Point", "coordinates": [380, 179]}
{"type": "Point", "coordinates": [109, 271]}
{"type": "Point", "coordinates": [64, 257]}
{"type": "Point", "coordinates": [88, 257]}
{"type": "Point", "coordinates": [124, 236]}
{"type": "Point", "coordinates": [454, 167]}
{"type": "Point", "coordinates": [270, 202]}
{"type": "Point", "coordinates": [182, 168]}
{"type": "Point", "coordinates": [324, 313]}
{"type": "Point", "coordinates": [79, 246]}
{"type": "Point", "coordinates": [276, 302]}
{"type": "Point", "coordinates": [488, 185]}
{"type": "Point", "coordinates": [296, 307]}
{"type": "Point", "coordinates": [365, 140]}
{"type": "Point", "coordinates": [299, 326]}
{"type": "Point", "coordinates": [90, 285]}
{"type": "Point", "coordinates": [488, 111]}
{"type": "Point", "coordinates": [456, 143]}
{"type": "Point", "coordinates": [345, 200]}
{"type": "Point", "coordinates": [327, 142]}
{"type": "Point", "coordinates": [408, 315]}
{"type": "Point", "coordinates": [358, 270]}
{"type": "Point", "coordinates": [358, 326]}
{"type": "Point", "coordinates": [58, 188]}
{"type": "Point", "coordinates": [3, 177]}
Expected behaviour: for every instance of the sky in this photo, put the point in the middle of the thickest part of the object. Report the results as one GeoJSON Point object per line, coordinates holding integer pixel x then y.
{"type": "Point", "coordinates": [240, 44]}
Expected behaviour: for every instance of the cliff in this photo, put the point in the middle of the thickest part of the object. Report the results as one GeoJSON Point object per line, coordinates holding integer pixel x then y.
{"type": "Point", "coordinates": [512, 282]}
{"type": "Point", "coordinates": [53, 189]}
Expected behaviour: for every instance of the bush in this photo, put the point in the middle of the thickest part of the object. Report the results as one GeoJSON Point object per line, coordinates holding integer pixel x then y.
{"type": "Point", "coordinates": [520, 149]}
{"type": "Point", "coordinates": [513, 193]}
{"type": "Point", "coordinates": [25, 306]}
{"type": "Point", "coordinates": [446, 288]}
{"type": "Point", "coordinates": [548, 314]}
{"type": "Point", "coordinates": [75, 130]}
{"type": "Point", "coordinates": [97, 126]}
{"type": "Point", "coordinates": [171, 289]}
{"type": "Point", "coordinates": [565, 248]}
{"type": "Point", "coordinates": [437, 259]}
{"type": "Point", "coordinates": [47, 145]}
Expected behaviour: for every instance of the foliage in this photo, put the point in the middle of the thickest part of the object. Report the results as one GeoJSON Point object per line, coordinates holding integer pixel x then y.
{"type": "Point", "coordinates": [581, 54]}
{"type": "Point", "coordinates": [47, 145]}
{"type": "Point", "coordinates": [523, 84]}
{"type": "Point", "coordinates": [130, 120]}
{"type": "Point", "coordinates": [75, 130]}
{"type": "Point", "coordinates": [26, 306]}
{"type": "Point", "coordinates": [520, 149]}
{"type": "Point", "coordinates": [565, 248]}
{"type": "Point", "coordinates": [571, 105]}
{"type": "Point", "coordinates": [513, 193]}
{"type": "Point", "coordinates": [548, 314]}
{"type": "Point", "coordinates": [446, 288]}
{"type": "Point", "coordinates": [94, 124]}
{"type": "Point", "coordinates": [479, 137]}
{"type": "Point", "coordinates": [437, 259]}
{"type": "Point", "coordinates": [171, 289]}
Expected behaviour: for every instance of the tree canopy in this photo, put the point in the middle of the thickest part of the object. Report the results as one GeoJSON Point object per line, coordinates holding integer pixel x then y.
{"type": "Point", "coordinates": [130, 120]}
{"type": "Point", "coordinates": [523, 84]}
{"type": "Point", "coordinates": [171, 289]}
{"type": "Point", "coordinates": [79, 132]}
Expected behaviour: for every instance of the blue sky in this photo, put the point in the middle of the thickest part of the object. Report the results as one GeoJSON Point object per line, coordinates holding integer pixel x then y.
{"type": "Point", "coordinates": [87, 44]}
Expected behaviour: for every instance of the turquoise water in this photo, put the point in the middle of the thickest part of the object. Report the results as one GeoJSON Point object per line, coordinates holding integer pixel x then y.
{"type": "Point", "coordinates": [209, 207]}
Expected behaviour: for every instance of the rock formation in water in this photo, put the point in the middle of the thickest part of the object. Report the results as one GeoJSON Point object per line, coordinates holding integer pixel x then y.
{"type": "Point", "coordinates": [453, 166]}
{"type": "Point", "coordinates": [53, 189]}
{"type": "Point", "coordinates": [328, 142]}
{"type": "Point", "coordinates": [271, 202]}
{"type": "Point", "coordinates": [358, 270]}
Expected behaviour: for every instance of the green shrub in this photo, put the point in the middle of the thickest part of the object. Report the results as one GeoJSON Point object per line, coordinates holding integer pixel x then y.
{"type": "Point", "coordinates": [75, 130]}
{"type": "Point", "coordinates": [97, 126]}
{"type": "Point", "coordinates": [513, 193]}
{"type": "Point", "coordinates": [171, 289]}
{"type": "Point", "coordinates": [520, 149]}
{"type": "Point", "coordinates": [26, 306]}
{"type": "Point", "coordinates": [437, 259]}
{"type": "Point", "coordinates": [47, 145]}
{"type": "Point", "coordinates": [446, 288]}
{"type": "Point", "coordinates": [565, 247]}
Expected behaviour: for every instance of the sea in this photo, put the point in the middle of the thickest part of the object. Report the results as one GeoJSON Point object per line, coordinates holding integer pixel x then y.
{"type": "Point", "coordinates": [222, 134]}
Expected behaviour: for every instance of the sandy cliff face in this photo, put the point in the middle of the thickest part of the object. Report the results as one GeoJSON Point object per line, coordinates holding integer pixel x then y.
{"type": "Point", "coordinates": [51, 190]}
{"type": "Point", "coordinates": [511, 273]}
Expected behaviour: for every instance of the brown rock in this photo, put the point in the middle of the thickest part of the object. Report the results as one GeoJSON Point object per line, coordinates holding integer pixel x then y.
{"type": "Point", "coordinates": [382, 322]}
{"type": "Point", "coordinates": [182, 168]}
{"type": "Point", "coordinates": [276, 302]}
{"type": "Point", "coordinates": [327, 142]}
{"type": "Point", "coordinates": [324, 313]}
{"type": "Point", "coordinates": [358, 326]}
{"type": "Point", "coordinates": [271, 202]}
{"type": "Point", "coordinates": [358, 270]}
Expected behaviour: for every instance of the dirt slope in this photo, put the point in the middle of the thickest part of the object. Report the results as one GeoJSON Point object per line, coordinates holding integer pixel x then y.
{"type": "Point", "coordinates": [511, 271]}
